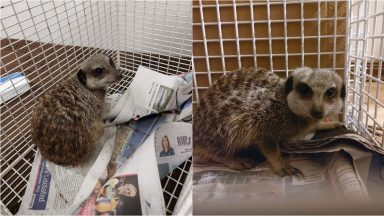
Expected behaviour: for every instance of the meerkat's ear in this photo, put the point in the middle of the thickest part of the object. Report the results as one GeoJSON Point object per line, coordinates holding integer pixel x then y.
{"type": "Point", "coordinates": [82, 77]}
{"type": "Point", "coordinates": [343, 91]}
{"type": "Point", "coordinates": [289, 84]}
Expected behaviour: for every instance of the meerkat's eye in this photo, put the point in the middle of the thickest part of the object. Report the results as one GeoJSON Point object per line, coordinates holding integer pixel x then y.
{"type": "Point", "coordinates": [98, 71]}
{"type": "Point", "coordinates": [304, 90]}
{"type": "Point", "coordinates": [330, 93]}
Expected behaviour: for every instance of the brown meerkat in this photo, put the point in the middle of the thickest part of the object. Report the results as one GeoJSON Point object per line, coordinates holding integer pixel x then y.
{"type": "Point", "coordinates": [67, 121]}
{"type": "Point", "coordinates": [254, 107]}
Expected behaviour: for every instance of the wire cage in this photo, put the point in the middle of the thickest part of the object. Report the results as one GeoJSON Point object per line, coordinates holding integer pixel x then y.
{"type": "Point", "coordinates": [365, 105]}
{"type": "Point", "coordinates": [47, 40]}
{"type": "Point", "coordinates": [343, 36]}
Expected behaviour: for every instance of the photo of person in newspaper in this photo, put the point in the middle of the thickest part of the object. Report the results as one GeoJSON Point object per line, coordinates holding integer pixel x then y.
{"type": "Point", "coordinates": [162, 99]}
{"type": "Point", "coordinates": [88, 207]}
{"type": "Point", "coordinates": [119, 196]}
{"type": "Point", "coordinates": [167, 149]}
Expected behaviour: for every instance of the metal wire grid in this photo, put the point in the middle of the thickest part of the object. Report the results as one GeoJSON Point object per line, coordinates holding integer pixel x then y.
{"type": "Point", "coordinates": [156, 31]}
{"type": "Point", "coordinates": [48, 40]}
{"type": "Point", "coordinates": [173, 184]}
{"type": "Point", "coordinates": [32, 38]}
{"type": "Point", "coordinates": [277, 35]}
{"type": "Point", "coordinates": [365, 104]}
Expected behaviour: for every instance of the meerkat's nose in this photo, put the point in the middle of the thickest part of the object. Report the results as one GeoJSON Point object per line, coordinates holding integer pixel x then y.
{"type": "Point", "coordinates": [316, 114]}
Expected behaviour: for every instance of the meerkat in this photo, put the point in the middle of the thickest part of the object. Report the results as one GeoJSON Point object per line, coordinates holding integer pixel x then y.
{"type": "Point", "coordinates": [67, 120]}
{"type": "Point", "coordinates": [254, 107]}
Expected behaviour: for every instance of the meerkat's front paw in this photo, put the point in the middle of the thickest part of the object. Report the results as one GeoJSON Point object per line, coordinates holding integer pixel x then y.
{"type": "Point", "coordinates": [337, 124]}
{"type": "Point", "coordinates": [329, 125]}
{"type": "Point", "coordinates": [289, 170]}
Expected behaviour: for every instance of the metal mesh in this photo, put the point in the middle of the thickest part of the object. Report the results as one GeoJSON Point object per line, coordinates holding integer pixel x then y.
{"type": "Point", "coordinates": [344, 36]}
{"type": "Point", "coordinates": [173, 184]}
{"type": "Point", "coordinates": [277, 35]}
{"type": "Point", "coordinates": [47, 40]}
{"type": "Point", "coordinates": [365, 104]}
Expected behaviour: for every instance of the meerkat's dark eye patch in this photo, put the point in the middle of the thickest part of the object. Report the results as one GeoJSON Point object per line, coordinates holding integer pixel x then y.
{"type": "Point", "coordinates": [343, 91]}
{"type": "Point", "coordinates": [289, 84]}
{"type": "Point", "coordinates": [98, 71]}
{"type": "Point", "coordinates": [111, 62]}
{"type": "Point", "coordinates": [331, 93]}
{"type": "Point", "coordinates": [304, 90]}
{"type": "Point", "coordinates": [82, 77]}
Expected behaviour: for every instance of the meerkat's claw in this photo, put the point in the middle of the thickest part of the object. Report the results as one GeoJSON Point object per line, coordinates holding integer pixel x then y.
{"type": "Point", "coordinates": [289, 170]}
{"type": "Point", "coordinates": [338, 124]}
{"type": "Point", "coordinates": [299, 174]}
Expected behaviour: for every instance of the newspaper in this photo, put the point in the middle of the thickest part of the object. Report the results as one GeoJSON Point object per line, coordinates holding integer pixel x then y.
{"type": "Point", "coordinates": [173, 143]}
{"type": "Point", "coordinates": [149, 93]}
{"type": "Point", "coordinates": [135, 189]}
{"type": "Point", "coordinates": [186, 112]}
{"type": "Point", "coordinates": [137, 168]}
{"type": "Point", "coordinates": [338, 169]}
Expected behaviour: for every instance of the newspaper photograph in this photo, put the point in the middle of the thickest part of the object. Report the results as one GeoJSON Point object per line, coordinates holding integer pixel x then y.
{"type": "Point", "coordinates": [120, 195]}
{"type": "Point", "coordinates": [135, 188]}
{"type": "Point", "coordinates": [162, 98]}
{"type": "Point", "coordinates": [150, 92]}
{"type": "Point", "coordinates": [143, 163]}
{"type": "Point", "coordinates": [173, 143]}
{"type": "Point", "coordinates": [139, 132]}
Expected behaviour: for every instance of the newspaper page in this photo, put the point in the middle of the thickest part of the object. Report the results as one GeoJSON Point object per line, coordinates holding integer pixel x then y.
{"type": "Point", "coordinates": [54, 189]}
{"type": "Point", "coordinates": [339, 168]}
{"type": "Point", "coordinates": [186, 112]}
{"type": "Point", "coordinates": [259, 190]}
{"type": "Point", "coordinates": [365, 156]}
{"type": "Point", "coordinates": [139, 131]}
{"type": "Point", "coordinates": [325, 140]}
{"type": "Point", "coordinates": [173, 144]}
{"type": "Point", "coordinates": [150, 92]}
{"type": "Point", "coordinates": [135, 189]}
{"type": "Point", "coordinates": [345, 179]}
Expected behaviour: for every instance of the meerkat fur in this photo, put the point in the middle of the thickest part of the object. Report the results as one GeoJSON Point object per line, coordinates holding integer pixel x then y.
{"type": "Point", "coordinates": [67, 119]}
{"type": "Point", "coordinates": [252, 106]}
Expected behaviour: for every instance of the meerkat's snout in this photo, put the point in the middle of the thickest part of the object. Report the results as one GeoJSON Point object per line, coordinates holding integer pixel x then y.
{"type": "Point", "coordinates": [317, 114]}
